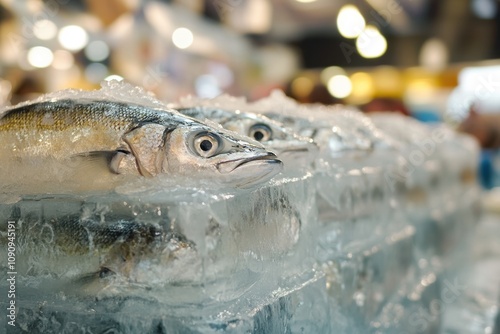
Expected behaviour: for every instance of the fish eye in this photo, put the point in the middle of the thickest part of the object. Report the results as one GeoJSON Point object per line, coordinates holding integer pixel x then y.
{"type": "Point", "coordinates": [260, 132]}
{"type": "Point", "coordinates": [105, 272]}
{"type": "Point", "coordinates": [206, 144]}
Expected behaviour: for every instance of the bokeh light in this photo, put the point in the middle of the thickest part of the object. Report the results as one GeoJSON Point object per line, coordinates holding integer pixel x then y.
{"type": "Point", "coordinates": [484, 9]}
{"type": "Point", "coordinates": [63, 60]}
{"type": "Point", "coordinates": [363, 88]}
{"type": "Point", "coordinates": [40, 57]}
{"type": "Point", "coordinates": [97, 51]}
{"type": "Point", "coordinates": [207, 86]}
{"type": "Point", "coordinates": [182, 38]}
{"type": "Point", "coordinates": [113, 77]}
{"type": "Point", "coordinates": [44, 29]}
{"type": "Point", "coordinates": [73, 38]}
{"type": "Point", "coordinates": [302, 86]}
{"type": "Point", "coordinates": [371, 43]}
{"type": "Point", "coordinates": [96, 72]}
{"type": "Point", "coordinates": [434, 54]}
{"type": "Point", "coordinates": [340, 86]}
{"type": "Point", "coordinates": [330, 72]}
{"type": "Point", "coordinates": [350, 22]}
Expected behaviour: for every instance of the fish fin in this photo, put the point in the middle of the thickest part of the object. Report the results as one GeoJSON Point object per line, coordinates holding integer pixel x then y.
{"type": "Point", "coordinates": [110, 159]}
{"type": "Point", "coordinates": [146, 143]}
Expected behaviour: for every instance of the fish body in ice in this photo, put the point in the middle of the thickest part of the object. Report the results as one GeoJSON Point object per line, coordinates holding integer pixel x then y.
{"type": "Point", "coordinates": [77, 246]}
{"type": "Point", "coordinates": [335, 130]}
{"type": "Point", "coordinates": [132, 139]}
{"type": "Point", "coordinates": [289, 147]}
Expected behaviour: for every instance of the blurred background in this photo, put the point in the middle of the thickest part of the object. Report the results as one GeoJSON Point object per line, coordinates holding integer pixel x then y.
{"type": "Point", "coordinates": [399, 55]}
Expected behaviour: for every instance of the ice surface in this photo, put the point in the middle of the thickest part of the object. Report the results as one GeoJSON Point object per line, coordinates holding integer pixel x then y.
{"type": "Point", "coordinates": [113, 90]}
{"type": "Point", "coordinates": [363, 241]}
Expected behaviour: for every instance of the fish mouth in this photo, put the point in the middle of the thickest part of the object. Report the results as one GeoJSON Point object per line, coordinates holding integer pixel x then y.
{"type": "Point", "coordinates": [230, 165]}
{"type": "Point", "coordinates": [247, 172]}
{"type": "Point", "coordinates": [295, 150]}
{"type": "Point", "coordinates": [299, 149]}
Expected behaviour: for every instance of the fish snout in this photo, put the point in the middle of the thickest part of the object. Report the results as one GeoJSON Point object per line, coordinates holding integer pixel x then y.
{"type": "Point", "coordinates": [233, 164]}
{"type": "Point", "coordinates": [247, 171]}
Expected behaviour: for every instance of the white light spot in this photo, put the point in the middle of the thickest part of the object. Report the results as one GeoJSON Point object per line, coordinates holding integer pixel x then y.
{"type": "Point", "coordinates": [484, 9]}
{"type": "Point", "coordinates": [182, 38]}
{"type": "Point", "coordinates": [350, 22]}
{"type": "Point", "coordinates": [73, 38]}
{"type": "Point", "coordinates": [223, 73]}
{"type": "Point", "coordinates": [330, 72]}
{"type": "Point", "coordinates": [434, 54]}
{"type": "Point", "coordinates": [114, 77]}
{"type": "Point", "coordinates": [340, 86]}
{"type": "Point", "coordinates": [40, 57]}
{"type": "Point", "coordinates": [206, 86]}
{"type": "Point", "coordinates": [97, 51]}
{"type": "Point", "coordinates": [63, 60]}
{"type": "Point", "coordinates": [45, 29]}
{"type": "Point", "coordinates": [371, 43]}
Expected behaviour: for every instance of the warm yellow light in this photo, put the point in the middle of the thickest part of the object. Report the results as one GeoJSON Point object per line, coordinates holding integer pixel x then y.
{"type": "Point", "coordinates": [40, 57]}
{"type": "Point", "coordinates": [371, 43]}
{"type": "Point", "coordinates": [350, 22]}
{"type": "Point", "coordinates": [339, 86]}
{"type": "Point", "coordinates": [182, 38]}
{"type": "Point", "coordinates": [305, 1]}
{"type": "Point", "coordinates": [302, 86]}
{"type": "Point", "coordinates": [363, 88]}
{"type": "Point", "coordinates": [73, 38]}
{"type": "Point", "coordinates": [388, 82]}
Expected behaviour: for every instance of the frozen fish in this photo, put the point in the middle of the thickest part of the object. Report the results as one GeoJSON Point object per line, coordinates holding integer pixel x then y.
{"type": "Point", "coordinates": [128, 138]}
{"type": "Point", "coordinates": [79, 246]}
{"type": "Point", "coordinates": [287, 145]}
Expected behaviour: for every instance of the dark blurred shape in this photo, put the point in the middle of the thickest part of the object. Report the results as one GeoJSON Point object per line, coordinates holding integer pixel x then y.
{"type": "Point", "coordinates": [318, 94]}
{"type": "Point", "coordinates": [5, 14]}
{"type": "Point", "coordinates": [386, 105]}
{"type": "Point", "coordinates": [213, 10]}
{"type": "Point", "coordinates": [27, 89]}
{"type": "Point", "coordinates": [108, 11]}
{"type": "Point", "coordinates": [484, 127]}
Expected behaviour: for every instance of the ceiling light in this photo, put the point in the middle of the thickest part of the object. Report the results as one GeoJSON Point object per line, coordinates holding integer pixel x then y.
{"type": "Point", "coordinates": [350, 22]}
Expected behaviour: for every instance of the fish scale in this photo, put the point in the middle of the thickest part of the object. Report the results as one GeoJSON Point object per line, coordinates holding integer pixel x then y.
{"type": "Point", "coordinates": [67, 113]}
{"type": "Point", "coordinates": [88, 125]}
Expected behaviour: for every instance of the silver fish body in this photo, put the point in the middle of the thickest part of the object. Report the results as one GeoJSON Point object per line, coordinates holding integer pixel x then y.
{"type": "Point", "coordinates": [132, 139]}
{"type": "Point", "coordinates": [288, 146]}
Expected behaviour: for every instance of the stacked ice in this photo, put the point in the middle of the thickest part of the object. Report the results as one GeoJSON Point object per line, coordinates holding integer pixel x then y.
{"type": "Point", "coordinates": [353, 237]}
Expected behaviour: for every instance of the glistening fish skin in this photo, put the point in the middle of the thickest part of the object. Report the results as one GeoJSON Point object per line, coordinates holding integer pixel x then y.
{"type": "Point", "coordinates": [133, 139]}
{"type": "Point", "coordinates": [288, 146]}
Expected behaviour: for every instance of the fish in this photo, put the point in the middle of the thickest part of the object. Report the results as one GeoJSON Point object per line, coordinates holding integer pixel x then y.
{"type": "Point", "coordinates": [336, 129]}
{"type": "Point", "coordinates": [134, 139]}
{"type": "Point", "coordinates": [93, 250]}
{"type": "Point", "coordinates": [289, 147]}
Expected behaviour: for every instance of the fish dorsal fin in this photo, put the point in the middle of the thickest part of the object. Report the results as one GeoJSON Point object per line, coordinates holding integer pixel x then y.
{"type": "Point", "coordinates": [146, 144]}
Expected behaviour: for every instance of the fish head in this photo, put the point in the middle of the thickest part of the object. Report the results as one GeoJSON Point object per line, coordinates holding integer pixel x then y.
{"type": "Point", "coordinates": [287, 145]}
{"type": "Point", "coordinates": [207, 152]}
